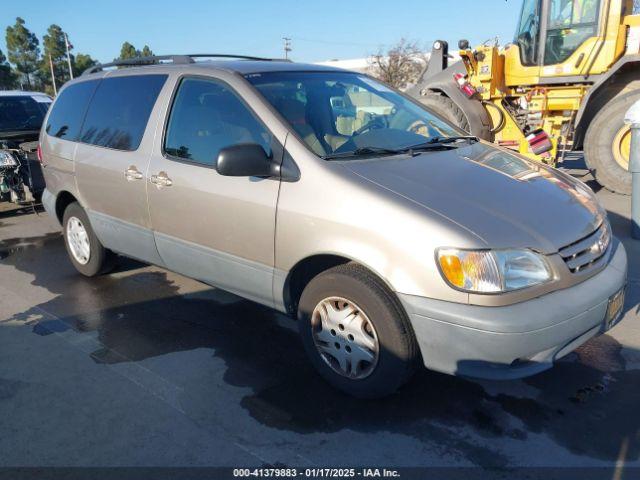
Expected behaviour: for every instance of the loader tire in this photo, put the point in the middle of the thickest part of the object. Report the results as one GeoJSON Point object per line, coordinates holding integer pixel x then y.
{"type": "Point", "coordinates": [446, 108]}
{"type": "Point", "coordinates": [606, 144]}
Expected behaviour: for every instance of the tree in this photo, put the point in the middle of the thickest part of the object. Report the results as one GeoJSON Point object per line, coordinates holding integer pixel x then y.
{"type": "Point", "coordinates": [54, 44]}
{"type": "Point", "coordinates": [128, 51]}
{"type": "Point", "coordinates": [23, 49]}
{"type": "Point", "coordinates": [81, 62]}
{"type": "Point", "coordinates": [399, 66]}
{"type": "Point", "coordinates": [7, 77]}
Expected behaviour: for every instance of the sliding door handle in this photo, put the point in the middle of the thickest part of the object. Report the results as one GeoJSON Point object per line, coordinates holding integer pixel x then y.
{"type": "Point", "coordinates": [132, 173]}
{"type": "Point", "coordinates": [161, 180]}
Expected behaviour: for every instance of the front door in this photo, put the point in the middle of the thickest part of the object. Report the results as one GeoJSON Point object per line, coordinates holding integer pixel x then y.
{"type": "Point", "coordinates": [217, 229]}
{"type": "Point", "coordinates": [111, 158]}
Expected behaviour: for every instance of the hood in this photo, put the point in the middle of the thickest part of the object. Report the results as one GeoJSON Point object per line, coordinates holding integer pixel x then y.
{"type": "Point", "coordinates": [507, 201]}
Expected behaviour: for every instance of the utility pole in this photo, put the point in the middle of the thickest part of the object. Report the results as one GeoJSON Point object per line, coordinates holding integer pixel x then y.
{"type": "Point", "coordinates": [66, 43]}
{"type": "Point", "coordinates": [53, 76]}
{"type": "Point", "coordinates": [287, 47]}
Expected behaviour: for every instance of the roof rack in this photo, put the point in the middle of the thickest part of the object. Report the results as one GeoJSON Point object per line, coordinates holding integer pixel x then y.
{"type": "Point", "coordinates": [175, 59]}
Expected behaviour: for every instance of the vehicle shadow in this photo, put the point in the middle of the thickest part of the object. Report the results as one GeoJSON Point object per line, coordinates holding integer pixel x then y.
{"type": "Point", "coordinates": [587, 404]}
{"type": "Point", "coordinates": [11, 210]}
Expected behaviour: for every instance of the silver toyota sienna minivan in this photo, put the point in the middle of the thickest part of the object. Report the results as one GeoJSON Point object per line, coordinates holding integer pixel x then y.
{"type": "Point", "coordinates": [393, 237]}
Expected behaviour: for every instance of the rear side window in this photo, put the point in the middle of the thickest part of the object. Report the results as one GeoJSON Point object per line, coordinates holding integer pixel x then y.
{"type": "Point", "coordinates": [119, 111]}
{"type": "Point", "coordinates": [68, 111]}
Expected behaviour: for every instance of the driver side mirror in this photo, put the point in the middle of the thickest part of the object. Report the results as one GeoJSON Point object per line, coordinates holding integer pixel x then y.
{"type": "Point", "coordinates": [246, 160]}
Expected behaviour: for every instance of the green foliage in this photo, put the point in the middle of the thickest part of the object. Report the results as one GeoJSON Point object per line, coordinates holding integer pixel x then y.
{"type": "Point", "coordinates": [54, 46]}
{"type": "Point", "coordinates": [128, 51]}
{"type": "Point", "coordinates": [81, 63]}
{"type": "Point", "coordinates": [33, 71]}
{"type": "Point", "coordinates": [7, 77]}
{"type": "Point", "coordinates": [23, 49]}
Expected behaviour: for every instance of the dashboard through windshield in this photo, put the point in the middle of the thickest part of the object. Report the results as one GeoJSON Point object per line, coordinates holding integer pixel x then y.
{"type": "Point", "coordinates": [342, 112]}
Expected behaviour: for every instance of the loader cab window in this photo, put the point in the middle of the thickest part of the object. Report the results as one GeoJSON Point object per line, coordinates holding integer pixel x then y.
{"type": "Point", "coordinates": [528, 34]}
{"type": "Point", "coordinates": [570, 23]}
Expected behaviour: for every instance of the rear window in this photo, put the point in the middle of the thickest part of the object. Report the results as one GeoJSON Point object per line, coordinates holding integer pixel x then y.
{"type": "Point", "coordinates": [68, 111]}
{"type": "Point", "coordinates": [119, 111]}
{"type": "Point", "coordinates": [21, 113]}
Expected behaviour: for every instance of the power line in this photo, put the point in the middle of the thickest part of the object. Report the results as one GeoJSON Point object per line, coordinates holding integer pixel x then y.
{"type": "Point", "coordinates": [287, 47]}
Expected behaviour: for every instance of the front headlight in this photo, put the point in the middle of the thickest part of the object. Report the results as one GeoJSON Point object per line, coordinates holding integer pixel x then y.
{"type": "Point", "coordinates": [7, 159]}
{"type": "Point", "coordinates": [492, 271]}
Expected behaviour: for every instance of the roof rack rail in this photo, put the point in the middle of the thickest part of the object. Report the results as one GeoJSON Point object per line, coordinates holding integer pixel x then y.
{"type": "Point", "coordinates": [175, 59]}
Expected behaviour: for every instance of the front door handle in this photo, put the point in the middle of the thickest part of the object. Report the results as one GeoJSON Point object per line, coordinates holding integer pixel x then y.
{"type": "Point", "coordinates": [132, 173]}
{"type": "Point", "coordinates": [161, 180]}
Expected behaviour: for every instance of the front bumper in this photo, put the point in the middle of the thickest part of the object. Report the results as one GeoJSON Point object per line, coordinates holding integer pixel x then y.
{"type": "Point", "coordinates": [517, 340]}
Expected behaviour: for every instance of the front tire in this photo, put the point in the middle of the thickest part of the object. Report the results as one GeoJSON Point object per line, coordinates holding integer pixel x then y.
{"type": "Point", "coordinates": [86, 252]}
{"type": "Point", "coordinates": [445, 107]}
{"type": "Point", "coordinates": [606, 145]}
{"type": "Point", "coordinates": [356, 333]}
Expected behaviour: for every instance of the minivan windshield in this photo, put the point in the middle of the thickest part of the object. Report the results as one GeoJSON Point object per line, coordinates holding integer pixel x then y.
{"type": "Point", "coordinates": [22, 112]}
{"type": "Point", "coordinates": [343, 113]}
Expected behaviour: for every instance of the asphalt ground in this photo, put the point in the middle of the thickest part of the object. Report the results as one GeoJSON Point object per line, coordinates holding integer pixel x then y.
{"type": "Point", "coordinates": [143, 367]}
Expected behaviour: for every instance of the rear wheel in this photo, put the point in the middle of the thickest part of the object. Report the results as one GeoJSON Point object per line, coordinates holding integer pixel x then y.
{"type": "Point", "coordinates": [356, 333]}
{"type": "Point", "coordinates": [607, 144]}
{"type": "Point", "coordinates": [86, 252]}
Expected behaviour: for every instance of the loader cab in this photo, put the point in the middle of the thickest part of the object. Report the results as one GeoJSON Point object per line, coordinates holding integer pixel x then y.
{"type": "Point", "coordinates": [564, 38]}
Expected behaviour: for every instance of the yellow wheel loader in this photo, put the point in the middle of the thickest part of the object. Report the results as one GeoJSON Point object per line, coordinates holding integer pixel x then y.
{"type": "Point", "coordinates": [564, 84]}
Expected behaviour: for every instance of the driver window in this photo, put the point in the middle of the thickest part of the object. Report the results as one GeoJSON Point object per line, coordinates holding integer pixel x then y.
{"type": "Point", "coordinates": [207, 116]}
{"type": "Point", "coordinates": [571, 22]}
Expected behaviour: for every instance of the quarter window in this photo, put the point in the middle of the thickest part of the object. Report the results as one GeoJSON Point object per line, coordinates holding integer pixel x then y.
{"type": "Point", "coordinates": [208, 116]}
{"type": "Point", "coordinates": [65, 119]}
{"type": "Point", "coordinates": [119, 111]}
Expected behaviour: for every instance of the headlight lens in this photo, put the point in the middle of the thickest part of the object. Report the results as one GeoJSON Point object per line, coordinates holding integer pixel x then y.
{"type": "Point", "coordinates": [492, 271]}
{"type": "Point", "coordinates": [7, 159]}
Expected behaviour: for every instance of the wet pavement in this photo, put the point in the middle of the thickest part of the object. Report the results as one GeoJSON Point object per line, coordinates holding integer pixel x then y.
{"type": "Point", "coordinates": [145, 367]}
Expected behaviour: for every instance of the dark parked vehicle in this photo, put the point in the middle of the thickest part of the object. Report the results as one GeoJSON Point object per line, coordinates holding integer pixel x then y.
{"type": "Point", "coordinates": [21, 116]}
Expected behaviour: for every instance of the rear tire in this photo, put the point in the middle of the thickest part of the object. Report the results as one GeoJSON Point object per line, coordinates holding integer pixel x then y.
{"type": "Point", "coordinates": [601, 144]}
{"type": "Point", "coordinates": [379, 324]}
{"type": "Point", "coordinates": [445, 107]}
{"type": "Point", "coordinates": [86, 252]}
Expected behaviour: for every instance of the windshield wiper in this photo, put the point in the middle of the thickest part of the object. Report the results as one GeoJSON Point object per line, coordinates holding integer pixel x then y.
{"type": "Point", "coordinates": [455, 138]}
{"type": "Point", "coordinates": [434, 143]}
{"type": "Point", "coordinates": [440, 142]}
{"type": "Point", "coordinates": [364, 151]}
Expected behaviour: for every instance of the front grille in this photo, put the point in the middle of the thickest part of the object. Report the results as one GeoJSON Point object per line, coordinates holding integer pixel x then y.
{"type": "Point", "coordinates": [584, 253]}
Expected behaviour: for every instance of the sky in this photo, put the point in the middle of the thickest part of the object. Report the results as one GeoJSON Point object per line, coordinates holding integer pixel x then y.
{"type": "Point", "coordinates": [319, 30]}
